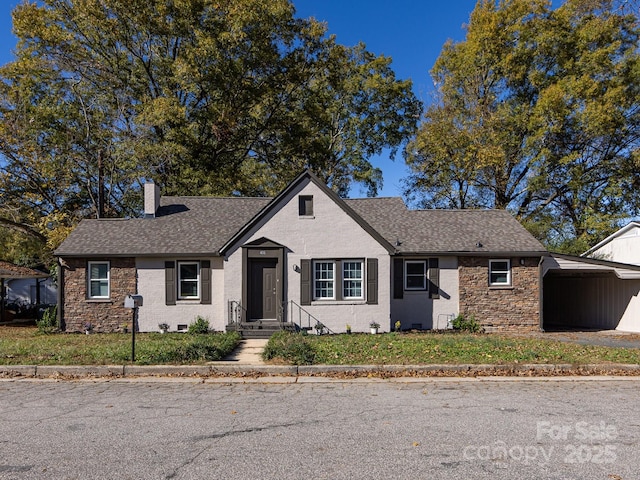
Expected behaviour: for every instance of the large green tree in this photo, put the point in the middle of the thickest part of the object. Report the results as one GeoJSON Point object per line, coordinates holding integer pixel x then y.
{"type": "Point", "coordinates": [215, 97]}
{"type": "Point", "coordinates": [537, 111]}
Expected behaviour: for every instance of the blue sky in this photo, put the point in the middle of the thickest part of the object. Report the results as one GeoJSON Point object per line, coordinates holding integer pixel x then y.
{"type": "Point", "coordinates": [411, 32]}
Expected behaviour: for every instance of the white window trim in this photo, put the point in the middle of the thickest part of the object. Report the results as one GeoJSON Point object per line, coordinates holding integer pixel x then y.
{"type": "Point", "coordinates": [315, 297]}
{"type": "Point", "coordinates": [508, 272]}
{"type": "Point", "coordinates": [361, 279]}
{"type": "Point", "coordinates": [90, 280]}
{"type": "Point", "coordinates": [181, 297]}
{"type": "Point", "coordinates": [424, 275]}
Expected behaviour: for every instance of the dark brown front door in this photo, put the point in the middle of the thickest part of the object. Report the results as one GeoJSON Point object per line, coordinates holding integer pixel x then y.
{"type": "Point", "coordinates": [262, 289]}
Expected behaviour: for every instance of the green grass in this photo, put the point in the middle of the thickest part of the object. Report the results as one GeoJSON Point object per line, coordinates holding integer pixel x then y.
{"type": "Point", "coordinates": [25, 346]}
{"type": "Point", "coordinates": [456, 348]}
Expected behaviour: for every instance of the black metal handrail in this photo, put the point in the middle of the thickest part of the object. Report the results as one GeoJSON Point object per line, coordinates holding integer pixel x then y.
{"type": "Point", "coordinates": [317, 324]}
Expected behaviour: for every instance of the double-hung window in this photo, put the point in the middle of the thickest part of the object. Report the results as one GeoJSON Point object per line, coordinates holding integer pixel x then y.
{"type": "Point", "coordinates": [338, 279]}
{"type": "Point", "coordinates": [188, 280]}
{"type": "Point", "coordinates": [98, 279]}
{"type": "Point", "coordinates": [499, 273]}
{"type": "Point", "coordinates": [348, 280]}
{"type": "Point", "coordinates": [352, 279]}
{"type": "Point", "coordinates": [415, 276]}
{"type": "Point", "coordinates": [324, 280]}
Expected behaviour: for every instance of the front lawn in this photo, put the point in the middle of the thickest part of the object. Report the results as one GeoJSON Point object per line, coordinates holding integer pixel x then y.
{"type": "Point", "coordinates": [25, 346]}
{"type": "Point", "coordinates": [438, 348]}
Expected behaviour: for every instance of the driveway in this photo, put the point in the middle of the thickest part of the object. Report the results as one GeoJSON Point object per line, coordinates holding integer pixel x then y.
{"type": "Point", "coordinates": [604, 338]}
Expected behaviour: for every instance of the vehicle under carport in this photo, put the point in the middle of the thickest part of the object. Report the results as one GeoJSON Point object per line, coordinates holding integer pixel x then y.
{"type": "Point", "coordinates": [585, 293]}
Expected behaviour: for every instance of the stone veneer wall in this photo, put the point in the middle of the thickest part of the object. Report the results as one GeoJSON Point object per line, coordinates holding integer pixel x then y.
{"type": "Point", "coordinates": [515, 308]}
{"type": "Point", "coordinates": [105, 315]}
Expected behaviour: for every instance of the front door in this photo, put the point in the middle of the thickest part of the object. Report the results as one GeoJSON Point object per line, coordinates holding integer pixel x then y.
{"type": "Point", "coordinates": [263, 289]}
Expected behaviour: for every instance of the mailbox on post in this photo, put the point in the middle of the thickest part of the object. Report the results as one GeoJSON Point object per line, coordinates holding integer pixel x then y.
{"type": "Point", "coordinates": [132, 301]}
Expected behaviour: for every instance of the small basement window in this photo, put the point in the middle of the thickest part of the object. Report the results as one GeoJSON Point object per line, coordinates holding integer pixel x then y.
{"type": "Point", "coordinates": [305, 205]}
{"type": "Point", "coordinates": [499, 273]}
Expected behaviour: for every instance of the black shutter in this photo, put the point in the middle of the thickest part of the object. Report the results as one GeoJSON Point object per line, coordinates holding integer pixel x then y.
{"type": "Point", "coordinates": [305, 282]}
{"type": "Point", "coordinates": [372, 281]}
{"type": "Point", "coordinates": [205, 282]}
{"type": "Point", "coordinates": [170, 282]}
{"type": "Point", "coordinates": [398, 278]}
{"type": "Point", "coordinates": [434, 278]}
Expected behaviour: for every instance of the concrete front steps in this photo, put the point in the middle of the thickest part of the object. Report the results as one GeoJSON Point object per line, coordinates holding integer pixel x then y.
{"type": "Point", "coordinates": [260, 328]}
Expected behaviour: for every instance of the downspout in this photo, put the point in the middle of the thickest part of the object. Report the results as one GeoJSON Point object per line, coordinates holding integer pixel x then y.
{"type": "Point", "coordinates": [60, 299]}
{"type": "Point", "coordinates": [541, 293]}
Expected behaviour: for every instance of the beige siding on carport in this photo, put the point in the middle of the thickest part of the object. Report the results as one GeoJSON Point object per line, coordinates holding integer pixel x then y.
{"type": "Point", "coordinates": [597, 300]}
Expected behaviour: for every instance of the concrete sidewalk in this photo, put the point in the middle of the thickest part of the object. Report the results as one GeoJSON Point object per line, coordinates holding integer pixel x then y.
{"type": "Point", "coordinates": [249, 352]}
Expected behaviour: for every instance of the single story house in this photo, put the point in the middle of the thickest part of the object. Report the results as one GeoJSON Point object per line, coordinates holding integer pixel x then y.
{"type": "Point", "coordinates": [302, 257]}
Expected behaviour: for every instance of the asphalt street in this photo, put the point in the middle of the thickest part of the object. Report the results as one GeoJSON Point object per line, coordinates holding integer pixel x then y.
{"type": "Point", "coordinates": [395, 429]}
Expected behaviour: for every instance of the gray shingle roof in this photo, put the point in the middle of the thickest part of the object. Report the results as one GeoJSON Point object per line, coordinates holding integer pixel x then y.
{"type": "Point", "coordinates": [182, 226]}
{"type": "Point", "coordinates": [202, 225]}
{"type": "Point", "coordinates": [442, 231]}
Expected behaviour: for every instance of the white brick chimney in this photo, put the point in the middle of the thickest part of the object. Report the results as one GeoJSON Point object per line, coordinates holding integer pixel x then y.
{"type": "Point", "coordinates": [151, 199]}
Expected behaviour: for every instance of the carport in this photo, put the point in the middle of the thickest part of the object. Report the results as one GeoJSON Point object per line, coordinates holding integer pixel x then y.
{"type": "Point", "coordinates": [587, 293]}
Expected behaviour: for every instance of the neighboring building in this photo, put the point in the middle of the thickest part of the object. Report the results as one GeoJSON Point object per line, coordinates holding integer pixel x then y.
{"type": "Point", "coordinates": [10, 273]}
{"type": "Point", "coordinates": [302, 257]}
{"type": "Point", "coordinates": [623, 246]}
{"type": "Point", "coordinates": [31, 291]}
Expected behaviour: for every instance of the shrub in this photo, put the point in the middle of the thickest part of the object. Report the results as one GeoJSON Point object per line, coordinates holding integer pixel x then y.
{"type": "Point", "coordinates": [192, 349]}
{"type": "Point", "coordinates": [466, 324]}
{"type": "Point", "coordinates": [200, 325]}
{"type": "Point", "coordinates": [49, 321]}
{"type": "Point", "coordinates": [290, 347]}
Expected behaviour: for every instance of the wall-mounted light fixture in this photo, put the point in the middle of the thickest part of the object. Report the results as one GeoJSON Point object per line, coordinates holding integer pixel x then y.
{"type": "Point", "coordinates": [522, 261]}
{"type": "Point", "coordinates": [479, 244]}
{"type": "Point", "coordinates": [296, 268]}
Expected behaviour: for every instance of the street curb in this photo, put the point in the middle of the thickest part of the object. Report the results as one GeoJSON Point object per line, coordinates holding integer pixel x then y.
{"type": "Point", "coordinates": [326, 371]}
{"type": "Point", "coordinates": [91, 371]}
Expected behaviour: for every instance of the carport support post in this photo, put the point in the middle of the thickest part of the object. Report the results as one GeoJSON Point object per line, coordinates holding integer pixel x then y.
{"type": "Point", "coordinates": [1, 299]}
{"type": "Point", "coordinates": [134, 312]}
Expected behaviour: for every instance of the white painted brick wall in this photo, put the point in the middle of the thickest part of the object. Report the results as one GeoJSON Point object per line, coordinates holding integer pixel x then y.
{"type": "Point", "coordinates": [418, 308]}
{"type": "Point", "coordinates": [331, 234]}
{"type": "Point", "coordinates": [151, 285]}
